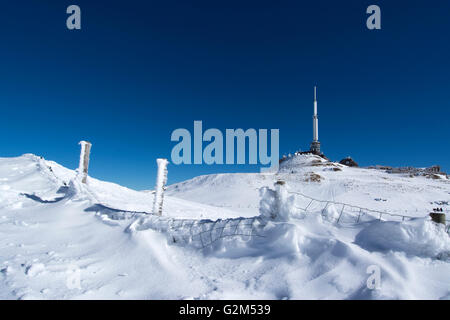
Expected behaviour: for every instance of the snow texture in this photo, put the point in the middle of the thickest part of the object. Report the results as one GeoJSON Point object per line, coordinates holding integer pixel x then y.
{"type": "Point", "coordinates": [224, 236]}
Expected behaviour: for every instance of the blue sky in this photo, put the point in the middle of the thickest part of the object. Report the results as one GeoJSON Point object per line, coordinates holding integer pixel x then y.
{"type": "Point", "coordinates": [137, 70]}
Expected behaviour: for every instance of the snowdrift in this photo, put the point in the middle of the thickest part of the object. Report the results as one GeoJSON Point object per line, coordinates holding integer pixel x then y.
{"type": "Point", "coordinates": [420, 237]}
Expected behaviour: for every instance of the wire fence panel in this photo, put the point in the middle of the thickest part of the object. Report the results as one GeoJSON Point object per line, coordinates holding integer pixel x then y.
{"type": "Point", "coordinates": [202, 233]}
{"type": "Point", "coordinates": [348, 213]}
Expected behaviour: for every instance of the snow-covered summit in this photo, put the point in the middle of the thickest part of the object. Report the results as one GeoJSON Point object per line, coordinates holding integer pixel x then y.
{"type": "Point", "coordinates": [323, 180]}
{"type": "Point", "coordinates": [299, 160]}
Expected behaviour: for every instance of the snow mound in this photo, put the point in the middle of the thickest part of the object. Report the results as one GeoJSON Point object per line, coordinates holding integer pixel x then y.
{"type": "Point", "coordinates": [276, 204]}
{"type": "Point", "coordinates": [418, 237]}
{"type": "Point", "coordinates": [296, 161]}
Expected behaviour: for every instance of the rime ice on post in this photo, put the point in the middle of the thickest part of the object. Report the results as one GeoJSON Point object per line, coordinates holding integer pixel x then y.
{"type": "Point", "coordinates": [275, 204]}
{"type": "Point", "coordinates": [161, 179]}
{"type": "Point", "coordinates": [84, 160]}
{"type": "Point", "coordinates": [281, 201]}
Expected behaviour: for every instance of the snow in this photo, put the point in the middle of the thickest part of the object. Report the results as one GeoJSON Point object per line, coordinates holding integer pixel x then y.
{"type": "Point", "coordinates": [34, 269]}
{"type": "Point", "coordinates": [420, 237]}
{"type": "Point", "coordinates": [223, 236]}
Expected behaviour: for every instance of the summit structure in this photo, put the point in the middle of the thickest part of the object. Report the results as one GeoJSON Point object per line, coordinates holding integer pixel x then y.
{"type": "Point", "coordinates": [315, 144]}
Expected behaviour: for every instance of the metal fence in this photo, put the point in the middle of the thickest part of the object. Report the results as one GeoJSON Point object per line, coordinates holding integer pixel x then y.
{"type": "Point", "coordinates": [201, 233]}
{"type": "Point", "coordinates": [348, 213]}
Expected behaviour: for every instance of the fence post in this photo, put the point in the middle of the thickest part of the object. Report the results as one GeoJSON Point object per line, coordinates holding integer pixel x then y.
{"type": "Point", "coordinates": [342, 211]}
{"type": "Point", "coordinates": [323, 210]}
{"type": "Point", "coordinates": [278, 186]}
{"type": "Point", "coordinates": [84, 160]}
{"type": "Point", "coordinates": [359, 215]}
{"type": "Point", "coordinates": [280, 197]}
{"type": "Point", "coordinates": [161, 180]}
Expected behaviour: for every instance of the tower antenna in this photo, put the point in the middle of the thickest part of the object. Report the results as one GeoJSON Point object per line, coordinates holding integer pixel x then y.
{"type": "Point", "coordinates": [315, 144]}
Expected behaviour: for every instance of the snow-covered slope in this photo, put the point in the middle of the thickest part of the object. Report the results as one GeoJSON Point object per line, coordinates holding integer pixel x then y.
{"type": "Point", "coordinates": [60, 239]}
{"type": "Point", "coordinates": [368, 188]}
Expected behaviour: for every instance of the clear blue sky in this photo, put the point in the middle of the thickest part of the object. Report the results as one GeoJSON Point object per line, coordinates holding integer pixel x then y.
{"type": "Point", "coordinates": [140, 69]}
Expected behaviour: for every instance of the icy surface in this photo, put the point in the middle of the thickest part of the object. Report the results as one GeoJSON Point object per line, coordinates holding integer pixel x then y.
{"type": "Point", "coordinates": [60, 239]}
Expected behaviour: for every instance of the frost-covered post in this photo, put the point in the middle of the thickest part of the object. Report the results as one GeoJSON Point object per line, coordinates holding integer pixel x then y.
{"type": "Point", "coordinates": [161, 180]}
{"type": "Point", "coordinates": [84, 160]}
{"type": "Point", "coordinates": [280, 196]}
{"type": "Point", "coordinates": [275, 204]}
